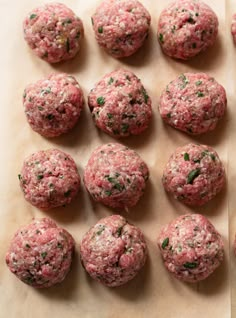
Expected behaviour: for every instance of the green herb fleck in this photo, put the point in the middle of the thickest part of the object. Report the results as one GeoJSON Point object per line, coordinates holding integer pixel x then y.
{"type": "Point", "coordinates": [92, 21]}
{"type": "Point", "coordinates": [44, 254]}
{"type": "Point", "coordinates": [32, 16]}
{"type": "Point", "coordinates": [213, 157]}
{"type": "Point", "coordinates": [186, 156]}
{"type": "Point", "coordinates": [111, 80]}
{"type": "Point", "coordinates": [67, 193]}
{"type": "Point", "coordinates": [191, 20]}
{"type": "Point", "coordinates": [168, 115]}
{"type": "Point", "coordinates": [40, 176]}
{"type": "Point", "coordinates": [78, 35]}
{"type": "Point", "coordinates": [50, 116]}
{"type": "Point", "coordinates": [24, 95]}
{"type": "Point", "coordinates": [200, 94]}
{"type": "Point", "coordinates": [198, 83]}
{"type": "Point", "coordinates": [59, 245]}
{"type": "Point", "coordinates": [194, 45]}
{"type": "Point", "coordinates": [19, 176]}
{"type": "Point", "coordinates": [124, 128]}
{"type": "Point", "coordinates": [145, 95]}
{"type": "Point", "coordinates": [196, 14]}
{"type": "Point", "coordinates": [127, 77]}
{"type": "Point", "coordinates": [184, 80]}
{"type": "Point", "coordinates": [101, 100]}
{"type": "Point", "coordinates": [173, 29]}
{"type": "Point", "coordinates": [102, 228]}
{"type": "Point", "coordinates": [192, 175]}
{"type": "Point", "coordinates": [108, 193]}
{"type": "Point", "coordinates": [190, 265]}
{"type": "Point", "coordinates": [100, 29]}
{"type": "Point", "coordinates": [119, 230]}
{"type": "Point", "coordinates": [27, 245]}
{"type": "Point", "coordinates": [165, 243]}
{"type": "Point", "coordinates": [67, 45]}
{"type": "Point", "coordinates": [161, 38]}
{"type": "Point", "coordinates": [40, 108]}
{"type": "Point", "coordinates": [110, 116]}
{"type": "Point", "coordinates": [46, 90]}
{"type": "Point", "coordinates": [67, 21]}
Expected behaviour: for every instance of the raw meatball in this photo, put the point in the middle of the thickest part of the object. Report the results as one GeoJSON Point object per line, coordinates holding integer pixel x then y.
{"type": "Point", "coordinates": [49, 178]}
{"type": "Point", "coordinates": [193, 103]}
{"type": "Point", "coordinates": [120, 105]}
{"type": "Point", "coordinates": [191, 247]}
{"type": "Point", "coordinates": [233, 28]}
{"type": "Point", "coordinates": [116, 176]}
{"type": "Point", "coordinates": [186, 28]}
{"type": "Point", "coordinates": [53, 32]}
{"type": "Point", "coordinates": [40, 253]}
{"type": "Point", "coordinates": [194, 174]}
{"type": "Point", "coordinates": [113, 251]}
{"type": "Point", "coordinates": [53, 105]}
{"type": "Point", "coordinates": [121, 26]}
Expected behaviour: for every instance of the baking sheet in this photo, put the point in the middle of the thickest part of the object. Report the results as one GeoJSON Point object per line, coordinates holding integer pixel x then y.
{"type": "Point", "coordinates": [153, 293]}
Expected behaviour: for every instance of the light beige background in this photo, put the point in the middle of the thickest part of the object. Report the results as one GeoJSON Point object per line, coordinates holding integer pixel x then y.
{"type": "Point", "coordinates": [154, 293]}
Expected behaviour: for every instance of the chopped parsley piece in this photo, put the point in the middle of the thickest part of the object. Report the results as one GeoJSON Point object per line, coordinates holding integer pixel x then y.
{"type": "Point", "coordinates": [110, 116]}
{"type": "Point", "coordinates": [67, 21]}
{"type": "Point", "coordinates": [101, 100]}
{"type": "Point", "coordinates": [92, 21]}
{"type": "Point", "coordinates": [78, 35]}
{"type": "Point", "coordinates": [191, 20]}
{"type": "Point", "coordinates": [186, 156]}
{"type": "Point", "coordinates": [165, 243]}
{"type": "Point", "coordinates": [119, 230]}
{"type": "Point", "coordinates": [173, 29]}
{"type": "Point", "coordinates": [59, 245]}
{"type": "Point", "coordinates": [44, 254]}
{"type": "Point", "coordinates": [27, 245]}
{"type": "Point", "coordinates": [200, 94]}
{"type": "Point", "coordinates": [194, 45]}
{"type": "Point", "coordinates": [184, 80]}
{"type": "Point", "coordinates": [50, 116]}
{"type": "Point", "coordinates": [213, 157]}
{"type": "Point", "coordinates": [40, 108]}
{"type": "Point", "coordinates": [40, 176]}
{"type": "Point", "coordinates": [168, 115]}
{"type": "Point", "coordinates": [196, 14]}
{"type": "Point", "coordinates": [46, 90]}
{"type": "Point", "coordinates": [67, 193]}
{"type": "Point", "coordinates": [100, 29]}
{"type": "Point", "coordinates": [19, 176]}
{"type": "Point", "coordinates": [198, 83]}
{"type": "Point", "coordinates": [192, 175]}
{"type": "Point", "coordinates": [24, 95]}
{"type": "Point", "coordinates": [145, 95]}
{"type": "Point", "coordinates": [190, 265]}
{"type": "Point", "coordinates": [124, 128]}
{"type": "Point", "coordinates": [99, 232]}
{"type": "Point", "coordinates": [161, 39]}
{"type": "Point", "coordinates": [108, 193]}
{"type": "Point", "coordinates": [111, 80]}
{"type": "Point", "coordinates": [32, 16]}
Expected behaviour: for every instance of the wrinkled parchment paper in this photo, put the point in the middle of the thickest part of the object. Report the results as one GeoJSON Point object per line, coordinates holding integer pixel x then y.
{"type": "Point", "coordinates": [153, 293]}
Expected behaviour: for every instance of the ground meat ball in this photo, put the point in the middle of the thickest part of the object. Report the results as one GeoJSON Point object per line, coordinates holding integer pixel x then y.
{"type": "Point", "coordinates": [121, 26]}
{"type": "Point", "coordinates": [194, 174]}
{"type": "Point", "coordinates": [40, 253]}
{"type": "Point", "coordinates": [193, 103]}
{"type": "Point", "coordinates": [191, 247]}
{"type": "Point", "coordinates": [113, 251]}
{"type": "Point", "coordinates": [53, 32]}
{"type": "Point", "coordinates": [53, 105]}
{"type": "Point", "coordinates": [186, 28]}
{"type": "Point", "coordinates": [49, 178]}
{"type": "Point", "coordinates": [116, 176]}
{"type": "Point", "coordinates": [233, 28]}
{"type": "Point", "coordinates": [120, 104]}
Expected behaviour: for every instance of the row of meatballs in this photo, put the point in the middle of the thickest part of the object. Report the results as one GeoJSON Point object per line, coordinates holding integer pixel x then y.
{"type": "Point", "coordinates": [113, 251]}
{"type": "Point", "coordinates": [116, 176]}
{"type": "Point", "coordinates": [185, 28]}
{"type": "Point", "coordinates": [121, 106]}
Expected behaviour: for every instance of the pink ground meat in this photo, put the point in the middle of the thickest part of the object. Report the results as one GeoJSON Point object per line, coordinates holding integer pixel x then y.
{"type": "Point", "coordinates": [193, 103]}
{"type": "Point", "coordinates": [113, 251]}
{"type": "Point", "coordinates": [233, 28]}
{"type": "Point", "coordinates": [49, 178]}
{"type": "Point", "coordinates": [191, 247]}
{"type": "Point", "coordinates": [52, 105]}
{"type": "Point", "coordinates": [116, 176]}
{"type": "Point", "coordinates": [40, 253]}
{"type": "Point", "coordinates": [121, 26]}
{"type": "Point", "coordinates": [53, 32]}
{"type": "Point", "coordinates": [186, 28]}
{"type": "Point", "coordinates": [120, 105]}
{"type": "Point", "coordinates": [194, 174]}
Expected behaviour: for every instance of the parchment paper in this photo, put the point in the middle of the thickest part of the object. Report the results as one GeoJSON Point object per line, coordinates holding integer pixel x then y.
{"type": "Point", "coordinates": [153, 293]}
